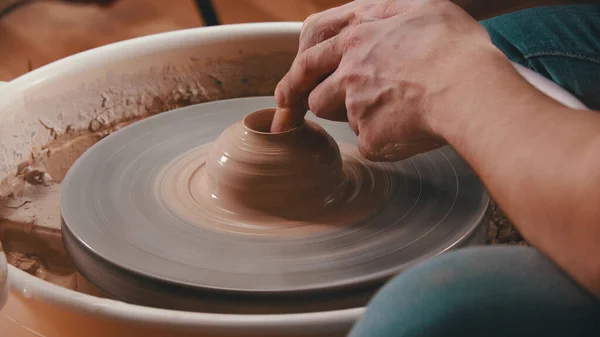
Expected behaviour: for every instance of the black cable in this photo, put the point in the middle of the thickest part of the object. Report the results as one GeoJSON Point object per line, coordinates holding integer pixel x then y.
{"type": "Point", "coordinates": [208, 12]}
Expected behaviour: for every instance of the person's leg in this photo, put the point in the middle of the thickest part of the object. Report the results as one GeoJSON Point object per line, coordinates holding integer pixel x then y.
{"type": "Point", "coordinates": [504, 290]}
{"type": "Point", "coordinates": [560, 42]}
{"type": "Point", "coordinates": [508, 291]}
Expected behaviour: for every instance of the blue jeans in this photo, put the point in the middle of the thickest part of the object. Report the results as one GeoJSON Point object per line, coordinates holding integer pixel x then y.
{"type": "Point", "coordinates": [504, 291]}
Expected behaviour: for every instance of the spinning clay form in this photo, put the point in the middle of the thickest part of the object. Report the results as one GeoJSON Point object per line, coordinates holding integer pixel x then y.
{"type": "Point", "coordinates": [296, 171]}
{"type": "Point", "coordinates": [262, 181]}
{"type": "Point", "coordinates": [196, 205]}
{"type": "Point", "coordinates": [292, 174]}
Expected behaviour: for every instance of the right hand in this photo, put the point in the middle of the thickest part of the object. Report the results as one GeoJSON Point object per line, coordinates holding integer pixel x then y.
{"type": "Point", "coordinates": [325, 25]}
{"type": "Point", "coordinates": [396, 80]}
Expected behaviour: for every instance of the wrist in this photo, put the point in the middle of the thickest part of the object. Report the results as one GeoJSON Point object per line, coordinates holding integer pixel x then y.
{"type": "Point", "coordinates": [482, 92]}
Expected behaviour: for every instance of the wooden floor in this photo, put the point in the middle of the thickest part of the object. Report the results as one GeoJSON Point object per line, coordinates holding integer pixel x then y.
{"type": "Point", "coordinates": [42, 32]}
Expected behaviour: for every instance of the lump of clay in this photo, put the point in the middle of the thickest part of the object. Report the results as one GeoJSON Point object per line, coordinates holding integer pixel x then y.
{"type": "Point", "coordinates": [39, 252]}
{"type": "Point", "coordinates": [296, 171]}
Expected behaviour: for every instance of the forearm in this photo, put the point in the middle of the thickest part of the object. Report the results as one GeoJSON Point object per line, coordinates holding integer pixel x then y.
{"type": "Point", "coordinates": [539, 160]}
{"type": "Point", "coordinates": [483, 9]}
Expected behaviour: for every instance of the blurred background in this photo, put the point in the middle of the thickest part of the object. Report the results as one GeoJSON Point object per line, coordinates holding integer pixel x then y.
{"type": "Point", "coordinates": [37, 32]}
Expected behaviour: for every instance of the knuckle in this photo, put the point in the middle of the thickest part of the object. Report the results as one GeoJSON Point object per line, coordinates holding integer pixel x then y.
{"type": "Point", "coordinates": [365, 148]}
{"type": "Point", "coordinates": [311, 20]}
{"type": "Point", "coordinates": [445, 19]}
{"type": "Point", "coordinates": [315, 104]}
{"type": "Point", "coordinates": [390, 8]}
{"type": "Point", "coordinates": [300, 68]}
{"type": "Point", "coordinates": [351, 78]}
{"type": "Point", "coordinates": [310, 27]}
{"type": "Point", "coordinates": [282, 91]}
{"type": "Point", "coordinates": [379, 10]}
{"type": "Point", "coordinates": [304, 64]}
{"type": "Point", "coordinates": [368, 142]}
{"type": "Point", "coordinates": [353, 106]}
{"type": "Point", "coordinates": [350, 38]}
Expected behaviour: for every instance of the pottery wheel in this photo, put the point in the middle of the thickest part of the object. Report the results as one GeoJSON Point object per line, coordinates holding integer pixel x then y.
{"type": "Point", "coordinates": [137, 244]}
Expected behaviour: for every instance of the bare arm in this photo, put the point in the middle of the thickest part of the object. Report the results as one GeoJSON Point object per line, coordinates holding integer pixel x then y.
{"type": "Point", "coordinates": [539, 160]}
{"type": "Point", "coordinates": [425, 72]}
{"type": "Point", "coordinates": [320, 27]}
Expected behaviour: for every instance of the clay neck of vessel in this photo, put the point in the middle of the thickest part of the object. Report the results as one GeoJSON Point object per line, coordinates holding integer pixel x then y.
{"type": "Point", "coordinates": [291, 174]}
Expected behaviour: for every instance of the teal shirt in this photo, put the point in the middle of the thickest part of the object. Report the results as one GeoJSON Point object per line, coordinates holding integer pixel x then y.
{"type": "Point", "coordinates": [561, 43]}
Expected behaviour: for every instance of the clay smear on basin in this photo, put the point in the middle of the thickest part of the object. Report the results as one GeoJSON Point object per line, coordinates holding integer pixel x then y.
{"type": "Point", "coordinates": [251, 181]}
{"type": "Point", "coordinates": [39, 251]}
{"type": "Point", "coordinates": [29, 216]}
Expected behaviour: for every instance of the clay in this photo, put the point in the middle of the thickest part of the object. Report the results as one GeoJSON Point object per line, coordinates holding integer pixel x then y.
{"type": "Point", "coordinates": [30, 217]}
{"type": "Point", "coordinates": [60, 158]}
{"type": "Point", "coordinates": [253, 181]}
{"type": "Point", "coordinates": [146, 209]}
{"type": "Point", "coordinates": [39, 251]}
{"type": "Point", "coordinates": [292, 173]}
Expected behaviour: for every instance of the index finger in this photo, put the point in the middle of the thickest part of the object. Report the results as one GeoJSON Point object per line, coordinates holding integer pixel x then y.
{"type": "Point", "coordinates": [308, 70]}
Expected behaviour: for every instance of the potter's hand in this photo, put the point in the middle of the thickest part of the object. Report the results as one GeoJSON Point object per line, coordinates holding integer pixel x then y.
{"type": "Point", "coordinates": [389, 77]}
{"type": "Point", "coordinates": [323, 26]}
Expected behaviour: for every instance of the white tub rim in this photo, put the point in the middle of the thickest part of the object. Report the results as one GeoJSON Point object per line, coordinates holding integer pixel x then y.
{"type": "Point", "coordinates": [29, 286]}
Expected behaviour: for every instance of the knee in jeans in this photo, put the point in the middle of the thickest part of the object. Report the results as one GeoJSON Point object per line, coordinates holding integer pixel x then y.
{"type": "Point", "coordinates": [452, 294]}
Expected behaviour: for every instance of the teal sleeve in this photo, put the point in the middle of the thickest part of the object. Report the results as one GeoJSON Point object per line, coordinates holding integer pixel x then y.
{"type": "Point", "coordinates": [561, 43]}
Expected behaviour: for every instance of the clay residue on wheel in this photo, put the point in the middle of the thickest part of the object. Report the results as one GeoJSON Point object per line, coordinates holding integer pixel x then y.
{"type": "Point", "coordinates": [57, 115]}
{"type": "Point", "coordinates": [29, 212]}
{"type": "Point", "coordinates": [35, 156]}
{"type": "Point", "coordinates": [38, 251]}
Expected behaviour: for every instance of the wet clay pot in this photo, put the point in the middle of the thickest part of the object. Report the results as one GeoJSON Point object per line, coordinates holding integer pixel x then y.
{"type": "Point", "coordinates": [290, 174]}
{"type": "Point", "coordinates": [100, 89]}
